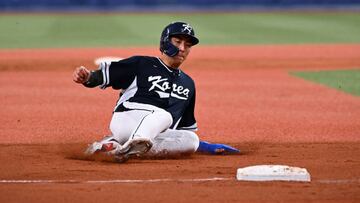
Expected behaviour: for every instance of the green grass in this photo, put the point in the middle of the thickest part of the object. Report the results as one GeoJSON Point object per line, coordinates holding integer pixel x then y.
{"type": "Point", "coordinates": [112, 30]}
{"type": "Point", "coordinates": [344, 80]}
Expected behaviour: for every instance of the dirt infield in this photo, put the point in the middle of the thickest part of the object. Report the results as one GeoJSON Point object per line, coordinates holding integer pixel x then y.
{"type": "Point", "coordinates": [246, 98]}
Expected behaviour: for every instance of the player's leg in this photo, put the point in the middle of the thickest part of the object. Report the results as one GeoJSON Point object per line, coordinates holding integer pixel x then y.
{"type": "Point", "coordinates": [121, 126]}
{"type": "Point", "coordinates": [174, 142]}
{"type": "Point", "coordinates": [132, 129]}
{"type": "Point", "coordinates": [135, 124]}
{"type": "Point", "coordinates": [136, 129]}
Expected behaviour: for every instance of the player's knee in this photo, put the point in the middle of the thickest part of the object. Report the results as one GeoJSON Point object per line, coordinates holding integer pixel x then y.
{"type": "Point", "coordinates": [120, 131]}
{"type": "Point", "coordinates": [119, 135]}
{"type": "Point", "coordinates": [165, 118]}
{"type": "Point", "coordinates": [193, 141]}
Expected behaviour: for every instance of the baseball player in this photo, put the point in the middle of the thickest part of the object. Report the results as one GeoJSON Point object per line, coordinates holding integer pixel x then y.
{"type": "Point", "coordinates": [155, 112]}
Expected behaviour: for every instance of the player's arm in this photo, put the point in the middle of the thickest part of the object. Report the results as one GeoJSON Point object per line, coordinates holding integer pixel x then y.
{"type": "Point", "coordinates": [88, 78]}
{"type": "Point", "coordinates": [95, 79]}
{"type": "Point", "coordinates": [118, 75]}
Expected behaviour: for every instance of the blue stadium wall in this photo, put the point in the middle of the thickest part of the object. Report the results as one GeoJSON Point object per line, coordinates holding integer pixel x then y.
{"type": "Point", "coordinates": [166, 4]}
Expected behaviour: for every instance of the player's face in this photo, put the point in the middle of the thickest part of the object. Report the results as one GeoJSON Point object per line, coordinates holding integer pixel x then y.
{"type": "Point", "coordinates": [184, 44]}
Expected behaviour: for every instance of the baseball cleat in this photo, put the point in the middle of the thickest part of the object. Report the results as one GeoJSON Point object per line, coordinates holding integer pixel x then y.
{"type": "Point", "coordinates": [135, 147]}
{"type": "Point", "coordinates": [107, 145]}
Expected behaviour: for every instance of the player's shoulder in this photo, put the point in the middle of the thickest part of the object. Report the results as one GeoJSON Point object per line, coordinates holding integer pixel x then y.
{"type": "Point", "coordinates": [133, 61]}
{"type": "Point", "coordinates": [187, 77]}
{"type": "Point", "coordinates": [143, 58]}
{"type": "Point", "coordinates": [137, 58]}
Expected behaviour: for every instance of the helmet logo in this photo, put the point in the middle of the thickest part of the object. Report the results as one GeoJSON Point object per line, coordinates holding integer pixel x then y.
{"type": "Point", "coordinates": [167, 35]}
{"type": "Point", "coordinates": [187, 28]}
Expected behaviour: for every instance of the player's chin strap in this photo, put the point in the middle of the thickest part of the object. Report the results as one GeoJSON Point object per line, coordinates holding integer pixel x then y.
{"type": "Point", "coordinates": [206, 147]}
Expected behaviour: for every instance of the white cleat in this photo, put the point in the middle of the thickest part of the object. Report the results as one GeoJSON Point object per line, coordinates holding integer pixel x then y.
{"type": "Point", "coordinates": [134, 147]}
{"type": "Point", "coordinates": [107, 145]}
{"type": "Point", "coordinates": [92, 148]}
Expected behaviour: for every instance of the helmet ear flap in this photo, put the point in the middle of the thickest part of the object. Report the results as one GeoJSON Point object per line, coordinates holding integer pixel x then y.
{"type": "Point", "coordinates": [166, 46]}
{"type": "Point", "coordinates": [170, 49]}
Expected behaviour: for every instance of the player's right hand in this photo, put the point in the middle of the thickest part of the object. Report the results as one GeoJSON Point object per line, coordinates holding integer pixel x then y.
{"type": "Point", "coordinates": [81, 75]}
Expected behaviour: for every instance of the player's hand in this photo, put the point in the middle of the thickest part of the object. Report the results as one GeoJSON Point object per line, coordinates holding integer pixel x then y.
{"type": "Point", "coordinates": [81, 75]}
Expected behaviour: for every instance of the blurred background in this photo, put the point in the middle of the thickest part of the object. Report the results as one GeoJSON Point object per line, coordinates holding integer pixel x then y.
{"type": "Point", "coordinates": [172, 5]}
{"type": "Point", "coordinates": [119, 23]}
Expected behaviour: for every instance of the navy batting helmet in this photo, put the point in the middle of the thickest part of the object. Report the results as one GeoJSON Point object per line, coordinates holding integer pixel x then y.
{"type": "Point", "coordinates": [175, 28]}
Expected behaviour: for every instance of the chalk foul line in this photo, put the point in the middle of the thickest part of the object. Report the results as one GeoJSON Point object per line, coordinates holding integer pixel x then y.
{"type": "Point", "coordinates": [113, 181]}
{"type": "Point", "coordinates": [123, 181]}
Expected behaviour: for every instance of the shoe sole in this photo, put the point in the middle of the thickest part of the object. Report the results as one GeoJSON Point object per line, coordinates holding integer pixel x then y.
{"type": "Point", "coordinates": [93, 148]}
{"type": "Point", "coordinates": [136, 148]}
{"type": "Point", "coordinates": [97, 147]}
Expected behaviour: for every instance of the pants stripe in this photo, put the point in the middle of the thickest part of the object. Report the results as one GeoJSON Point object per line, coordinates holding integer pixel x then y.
{"type": "Point", "coordinates": [137, 128]}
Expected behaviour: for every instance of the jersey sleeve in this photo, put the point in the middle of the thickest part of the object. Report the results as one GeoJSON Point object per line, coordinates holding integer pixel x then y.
{"type": "Point", "coordinates": [120, 74]}
{"type": "Point", "coordinates": [187, 121]}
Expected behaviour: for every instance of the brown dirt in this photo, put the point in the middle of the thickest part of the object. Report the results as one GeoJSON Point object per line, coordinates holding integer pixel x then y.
{"type": "Point", "coordinates": [246, 98]}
